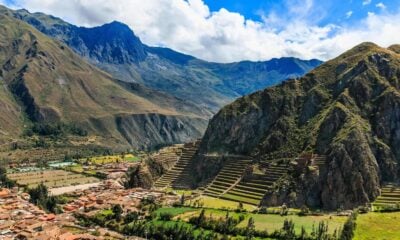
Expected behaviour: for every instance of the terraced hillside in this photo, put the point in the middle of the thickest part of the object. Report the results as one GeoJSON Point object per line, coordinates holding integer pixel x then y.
{"type": "Point", "coordinates": [390, 196]}
{"type": "Point", "coordinates": [228, 177]}
{"type": "Point", "coordinates": [252, 189]}
{"type": "Point", "coordinates": [319, 161]}
{"type": "Point", "coordinates": [180, 169]}
{"type": "Point", "coordinates": [168, 156]}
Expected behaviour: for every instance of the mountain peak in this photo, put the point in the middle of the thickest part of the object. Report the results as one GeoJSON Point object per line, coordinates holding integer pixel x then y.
{"type": "Point", "coordinates": [113, 42]}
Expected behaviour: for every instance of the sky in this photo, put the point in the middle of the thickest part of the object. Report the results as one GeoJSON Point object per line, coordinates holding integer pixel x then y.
{"type": "Point", "coordinates": [236, 30]}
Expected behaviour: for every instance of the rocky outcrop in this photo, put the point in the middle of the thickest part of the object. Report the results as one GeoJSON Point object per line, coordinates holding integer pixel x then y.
{"type": "Point", "coordinates": [346, 109]}
{"type": "Point", "coordinates": [156, 130]}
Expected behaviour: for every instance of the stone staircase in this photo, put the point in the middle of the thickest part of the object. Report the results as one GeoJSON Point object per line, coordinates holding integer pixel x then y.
{"type": "Point", "coordinates": [177, 175]}
{"type": "Point", "coordinates": [390, 196]}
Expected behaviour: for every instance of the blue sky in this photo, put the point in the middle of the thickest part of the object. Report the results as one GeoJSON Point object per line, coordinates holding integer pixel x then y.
{"type": "Point", "coordinates": [326, 11]}
{"type": "Point", "coordinates": [235, 30]}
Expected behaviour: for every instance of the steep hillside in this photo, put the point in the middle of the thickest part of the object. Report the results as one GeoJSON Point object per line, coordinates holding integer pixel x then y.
{"type": "Point", "coordinates": [114, 48]}
{"type": "Point", "coordinates": [52, 84]}
{"type": "Point", "coordinates": [346, 109]}
{"type": "Point", "coordinates": [11, 118]}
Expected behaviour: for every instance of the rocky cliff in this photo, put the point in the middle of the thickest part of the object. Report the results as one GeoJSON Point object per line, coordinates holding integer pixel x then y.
{"type": "Point", "coordinates": [346, 109]}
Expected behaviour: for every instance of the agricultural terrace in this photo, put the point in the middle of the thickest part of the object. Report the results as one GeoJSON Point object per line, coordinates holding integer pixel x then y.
{"type": "Point", "coordinates": [51, 178]}
{"type": "Point", "coordinates": [110, 159]}
{"type": "Point", "coordinates": [373, 224]}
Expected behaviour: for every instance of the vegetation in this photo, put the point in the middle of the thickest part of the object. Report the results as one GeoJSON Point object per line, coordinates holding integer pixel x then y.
{"type": "Point", "coordinates": [375, 225]}
{"type": "Point", "coordinates": [4, 180]}
{"type": "Point", "coordinates": [210, 202]}
{"type": "Point", "coordinates": [40, 197]}
{"type": "Point", "coordinates": [349, 227]}
{"type": "Point", "coordinates": [273, 222]}
{"type": "Point", "coordinates": [54, 129]}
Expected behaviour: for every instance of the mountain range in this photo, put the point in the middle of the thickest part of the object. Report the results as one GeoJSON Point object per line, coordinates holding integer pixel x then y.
{"type": "Point", "coordinates": [105, 81]}
{"type": "Point", "coordinates": [115, 48]}
{"type": "Point", "coordinates": [346, 109]}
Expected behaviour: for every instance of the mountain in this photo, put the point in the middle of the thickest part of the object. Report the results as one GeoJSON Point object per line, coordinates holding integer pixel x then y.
{"type": "Point", "coordinates": [45, 84]}
{"type": "Point", "coordinates": [114, 48]}
{"type": "Point", "coordinates": [347, 109]}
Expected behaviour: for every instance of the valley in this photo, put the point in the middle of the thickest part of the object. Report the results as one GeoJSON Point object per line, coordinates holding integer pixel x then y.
{"type": "Point", "coordinates": [104, 137]}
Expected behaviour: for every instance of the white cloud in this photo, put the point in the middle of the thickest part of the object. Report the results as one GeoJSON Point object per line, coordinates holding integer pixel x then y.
{"type": "Point", "coordinates": [366, 2]}
{"type": "Point", "coordinates": [349, 14]}
{"type": "Point", "coordinates": [189, 26]}
{"type": "Point", "coordinates": [381, 6]}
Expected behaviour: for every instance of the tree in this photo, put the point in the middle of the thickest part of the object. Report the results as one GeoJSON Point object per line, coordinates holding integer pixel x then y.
{"type": "Point", "coordinates": [182, 199]}
{"type": "Point", "coordinates": [40, 196]}
{"type": "Point", "coordinates": [348, 228]}
{"type": "Point", "coordinates": [288, 230]}
{"type": "Point", "coordinates": [131, 217]}
{"type": "Point", "coordinates": [117, 211]}
{"type": "Point", "coordinates": [250, 229]}
{"type": "Point", "coordinates": [239, 207]}
{"type": "Point", "coordinates": [202, 218]}
{"type": "Point", "coordinates": [4, 180]}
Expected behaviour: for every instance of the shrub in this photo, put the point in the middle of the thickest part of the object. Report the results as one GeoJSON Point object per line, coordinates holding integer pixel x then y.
{"type": "Point", "coordinates": [164, 216]}
{"type": "Point", "coordinates": [349, 227]}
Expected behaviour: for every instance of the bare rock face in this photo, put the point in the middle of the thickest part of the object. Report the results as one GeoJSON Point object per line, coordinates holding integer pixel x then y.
{"type": "Point", "coordinates": [347, 109]}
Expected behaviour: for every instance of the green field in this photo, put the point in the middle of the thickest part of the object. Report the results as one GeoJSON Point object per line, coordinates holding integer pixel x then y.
{"type": "Point", "coordinates": [378, 226]}
{"type": "Point", "coordinates": [111, 159]}
{"type": "Point", "coordinates": [272, 222]}
{"type": "Point", "coordinates": [269, 222]}
{"type": "Point", "coordinates": [210, 202]}
{"type": "Point", "coordinates": [175, 211]}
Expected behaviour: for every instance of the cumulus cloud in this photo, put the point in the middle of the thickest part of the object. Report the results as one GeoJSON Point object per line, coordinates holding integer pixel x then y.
{"type": "Point", "coordinates": [349, 14]}
{"type": "Point", "coordinates": [366, 2]}
{"type": "Point", "coordinates": [381, 6]}
{"type": "Point", "coordinates": [189, 26]}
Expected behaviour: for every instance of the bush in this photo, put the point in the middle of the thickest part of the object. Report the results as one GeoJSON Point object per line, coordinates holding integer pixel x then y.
{"type": "Point", "coordinates": [349, 227]}
{"type": "Point", "coordinates": [165, 216]}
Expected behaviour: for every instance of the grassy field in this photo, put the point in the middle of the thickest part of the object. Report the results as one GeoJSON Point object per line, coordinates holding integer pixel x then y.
{"type": "Point", "coordinates": [111, 159]}
{"type": "Point", "coordinates": [175, 211]}
{"type": "Point", "coordinates": [269, 222]}
{"type": "Point", "coordinates": [272, 222]}
{"type": "Point", "coordinates": [210, 202]}
{"type": "Point", "coordinates": [374, 226]}
{"type": "Point", "coordinates": [51, 178]}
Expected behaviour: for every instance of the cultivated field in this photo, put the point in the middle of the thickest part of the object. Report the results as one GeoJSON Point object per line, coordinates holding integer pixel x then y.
{"type": "Point", "coordinates": [272, 222]}
{"type": "Point", "coordinates": [373, 225]}
{"type": "Point", "coordinates": [269, 222]}
{"type": "Point", "coordinates": [51, 178]}
{"type": "Point", "coordinates": [210, 202]}
{"type": "Point", "coordinates": [111, 159]}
